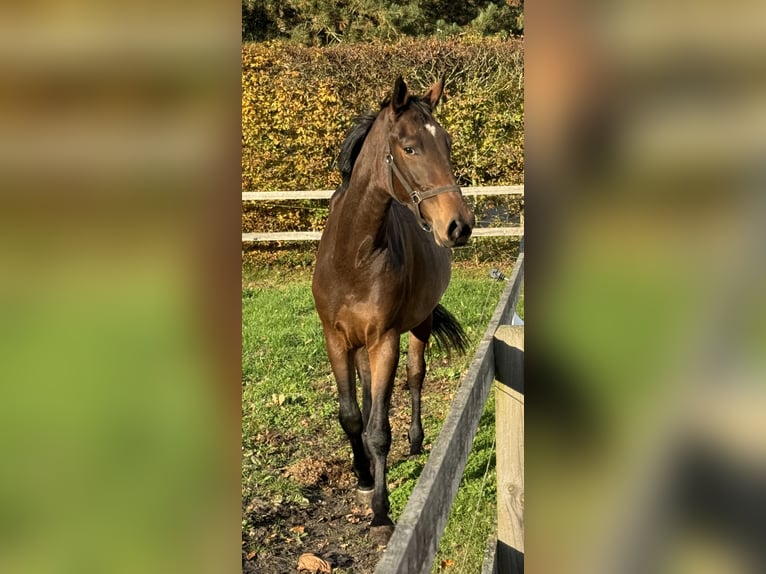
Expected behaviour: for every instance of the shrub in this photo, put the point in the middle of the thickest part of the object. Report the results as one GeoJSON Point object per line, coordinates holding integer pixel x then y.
{"type": "Point", "coordinates": [298, 102]}
{"type": "Point", "coordinates": [323, 22]}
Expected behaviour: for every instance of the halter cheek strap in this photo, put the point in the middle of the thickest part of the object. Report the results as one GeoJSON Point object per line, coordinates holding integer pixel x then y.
{"type": "Point", "coordinates": [416, 196]}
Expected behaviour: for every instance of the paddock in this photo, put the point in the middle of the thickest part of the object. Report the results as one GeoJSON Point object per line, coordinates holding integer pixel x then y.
{"type": "Point", "coordinates": [497, 364]}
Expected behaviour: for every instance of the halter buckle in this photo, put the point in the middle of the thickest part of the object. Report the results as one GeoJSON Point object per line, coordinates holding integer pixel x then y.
{"type": "Point", "coordinates": [415, 196]}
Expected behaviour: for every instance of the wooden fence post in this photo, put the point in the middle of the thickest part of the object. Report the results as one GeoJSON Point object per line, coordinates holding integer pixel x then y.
{"type": "Point", "coordinates": [509, 421]}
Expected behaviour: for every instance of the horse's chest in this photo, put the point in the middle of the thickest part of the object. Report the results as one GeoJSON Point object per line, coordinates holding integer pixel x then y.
{"type": "Point", "coordinates": [376, 305]}
{"type": "Point", "coordinates": [393, 305]}
{"type": "Point", "coordinates": [362, 296]}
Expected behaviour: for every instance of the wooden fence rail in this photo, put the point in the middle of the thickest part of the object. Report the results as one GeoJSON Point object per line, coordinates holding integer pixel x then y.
{"type": "Point", "coordinates": [326, 193]}
{"type": "Point", "coordinates": [413, 545]}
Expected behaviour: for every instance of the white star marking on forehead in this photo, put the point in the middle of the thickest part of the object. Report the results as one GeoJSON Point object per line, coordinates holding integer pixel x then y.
{"type": "Point", "coordinates": [431, 129]}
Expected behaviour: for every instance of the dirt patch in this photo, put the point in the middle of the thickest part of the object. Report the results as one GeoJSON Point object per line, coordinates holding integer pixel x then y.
{"type": "Point", "coordinates": [315, 471]}
{"type": "Point", "coordinates": [330, 524]}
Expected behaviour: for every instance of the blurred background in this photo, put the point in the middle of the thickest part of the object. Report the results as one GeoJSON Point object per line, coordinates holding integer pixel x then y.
{"type": "Point", "coordinates": [645, 140]}
{"type": "Point", "coordinates": [119, 287]}
{"type": "Point", "coordinates": [120, 257]}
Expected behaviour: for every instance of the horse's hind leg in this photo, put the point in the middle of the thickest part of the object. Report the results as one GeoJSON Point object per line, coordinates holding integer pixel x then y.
{"type": "Point", "coordinates": [416, 372]}
{"type": "Point", "coordinates": [342, 362]}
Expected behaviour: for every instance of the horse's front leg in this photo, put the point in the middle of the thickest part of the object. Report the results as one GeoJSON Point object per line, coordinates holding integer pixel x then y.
{"type": "Point", "coordinates": [384, 358]}
{"type": "Point", "coordinates": [362, 361]}
{"type": "Point", "coordinates": [342, 362]}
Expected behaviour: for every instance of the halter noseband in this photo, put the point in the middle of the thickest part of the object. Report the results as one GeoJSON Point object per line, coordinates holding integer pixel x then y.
{"type": "Point", "coordinates": [416, 196]}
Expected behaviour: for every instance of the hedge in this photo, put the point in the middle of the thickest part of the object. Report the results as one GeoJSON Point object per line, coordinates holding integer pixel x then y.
{"type": "Point", "coordinates": [298, 102]}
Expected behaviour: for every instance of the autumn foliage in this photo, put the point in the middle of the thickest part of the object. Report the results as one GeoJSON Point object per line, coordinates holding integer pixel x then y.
{"type": "Point", "coordinates": [298, 102]}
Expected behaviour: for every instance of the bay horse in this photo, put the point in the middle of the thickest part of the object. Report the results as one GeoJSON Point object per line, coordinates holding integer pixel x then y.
{"type": "Point", "coordinates": [382, 265]}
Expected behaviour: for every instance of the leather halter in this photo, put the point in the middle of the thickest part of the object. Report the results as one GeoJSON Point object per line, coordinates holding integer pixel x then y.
{"type": "Point", "coordinates": [416, 197]}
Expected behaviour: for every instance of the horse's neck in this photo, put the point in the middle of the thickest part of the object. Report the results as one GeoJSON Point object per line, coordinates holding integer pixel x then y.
{"type": "Point", "coordinates": [365, 212]}
{"type": "Point", "coordinates": [367, 201]}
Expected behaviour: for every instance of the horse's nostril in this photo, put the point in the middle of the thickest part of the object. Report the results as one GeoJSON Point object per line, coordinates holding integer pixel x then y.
{"type": "Point", "coordinates": [452, 230]}
{"type": "Point", "coordinates": [458, 232]}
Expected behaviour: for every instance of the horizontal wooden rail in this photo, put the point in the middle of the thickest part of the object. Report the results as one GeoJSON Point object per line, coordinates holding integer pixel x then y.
{"type": "Point", "coordinates": [317, 235]}
{"type": "Point", "coordinates": [326, 193]}
{"type": "Point", "coordinates": [282, 236]}
{"type": "Point", "coordinates": [420, 527]}
{"type": "Point", "coordinates": [513, 231]}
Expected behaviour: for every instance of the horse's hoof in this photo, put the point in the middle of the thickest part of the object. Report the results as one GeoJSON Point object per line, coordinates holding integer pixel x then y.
{"type": "Point", "coordinates": [380, 535]}
{"type": "Point", "coordinates": [364, 497]}
{"type": "Point", "coordinates": [416, 451]}
{"type": "Point", "coordinates": [416, 444]}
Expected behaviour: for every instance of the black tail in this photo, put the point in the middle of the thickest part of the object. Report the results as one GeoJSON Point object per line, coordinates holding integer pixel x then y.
{"type": "Point", "coordinates": [447, 332]}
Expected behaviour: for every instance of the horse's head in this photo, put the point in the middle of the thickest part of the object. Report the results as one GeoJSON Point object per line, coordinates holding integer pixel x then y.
{"type": "Point", "coordinates": [419, 164]}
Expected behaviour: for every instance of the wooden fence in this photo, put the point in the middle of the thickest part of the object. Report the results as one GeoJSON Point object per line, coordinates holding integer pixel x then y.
{"type": "Point", "coordinates": [516, 230]}
{"type": "Point", "coordinates": [413, 545]}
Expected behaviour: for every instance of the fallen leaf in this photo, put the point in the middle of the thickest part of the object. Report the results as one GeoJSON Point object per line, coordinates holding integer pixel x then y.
{"type": "Point", "coordinates": [447, 563]}
{"type": "Point", "coordinates": [278, 399]}
{"type": "Point", "coordinates": [250, 555]}
{"type": "Point", "coordinates": [312, 563]}
{"type": "Point", "coordinates": [298, 529]}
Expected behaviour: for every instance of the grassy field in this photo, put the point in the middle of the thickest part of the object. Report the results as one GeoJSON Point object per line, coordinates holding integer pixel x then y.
{"type": "Point", "coordinates": [296, 459]}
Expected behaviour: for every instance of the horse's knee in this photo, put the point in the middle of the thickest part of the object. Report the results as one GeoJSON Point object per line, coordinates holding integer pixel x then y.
{"type": "Point", "coordinates": [378, 438]}
{"type": "Point", "coordinates": [350, 420]}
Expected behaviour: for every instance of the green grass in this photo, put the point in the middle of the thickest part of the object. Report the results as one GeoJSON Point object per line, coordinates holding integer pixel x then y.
{"type": "Point", "coordinates": [290, 404]}
{"type": "Point", "coordinates": [286, 382]}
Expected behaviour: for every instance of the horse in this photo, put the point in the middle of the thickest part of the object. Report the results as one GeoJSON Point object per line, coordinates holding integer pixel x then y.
{"type": "Point", "coordinates": [382, 266]}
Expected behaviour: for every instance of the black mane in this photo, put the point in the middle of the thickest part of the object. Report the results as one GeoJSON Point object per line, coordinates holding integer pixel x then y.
{"type": "Point", "coordinates": [352, 145]}
{"type": "Point", "coordinates": [355, 137]}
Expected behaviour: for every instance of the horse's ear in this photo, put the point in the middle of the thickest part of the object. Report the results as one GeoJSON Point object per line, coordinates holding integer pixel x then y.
{"type": "Point", "coordinates": [434, 94]}
{"type": "Point", "coordinates": [400, 96]}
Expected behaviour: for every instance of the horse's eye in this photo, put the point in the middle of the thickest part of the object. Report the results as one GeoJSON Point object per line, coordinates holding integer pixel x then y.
{"type": "Point", "coordinates": [409, 150]}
